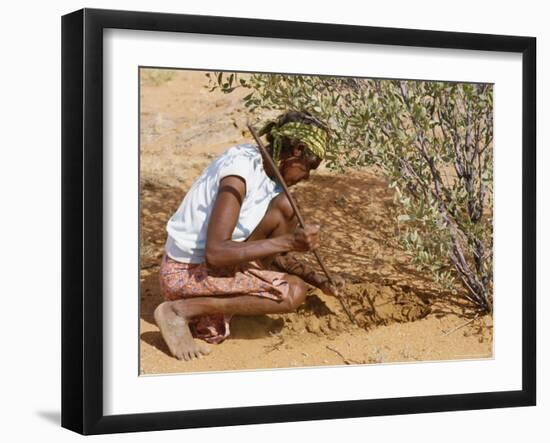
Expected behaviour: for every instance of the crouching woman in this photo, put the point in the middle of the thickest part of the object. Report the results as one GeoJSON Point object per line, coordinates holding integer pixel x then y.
{"type": "Point", "coordinates": [228, 242]}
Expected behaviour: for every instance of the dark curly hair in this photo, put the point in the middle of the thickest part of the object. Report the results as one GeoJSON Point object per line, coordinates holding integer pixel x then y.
{"type": "Point", "coordinates": [288, 143]}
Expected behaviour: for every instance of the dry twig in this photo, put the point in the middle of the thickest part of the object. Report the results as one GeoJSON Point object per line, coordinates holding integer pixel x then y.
{"type": "Point", "coordinates": [347, 361]}
{"type": "Point", "coordinates": [276, 346]}
{"type": "Point", "coordinates": [461, 326]}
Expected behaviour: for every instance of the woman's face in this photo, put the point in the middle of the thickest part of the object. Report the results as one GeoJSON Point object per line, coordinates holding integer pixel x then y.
{"type": "Point", "coordinates": [294, 167]}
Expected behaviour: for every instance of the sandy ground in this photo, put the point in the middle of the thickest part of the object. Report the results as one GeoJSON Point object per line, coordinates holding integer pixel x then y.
{"type": "Point", "coordinates": [401, 315]}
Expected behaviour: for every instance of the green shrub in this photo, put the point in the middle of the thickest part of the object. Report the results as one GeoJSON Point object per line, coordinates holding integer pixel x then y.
{"type": "Point", "coordinates": [433, 140]}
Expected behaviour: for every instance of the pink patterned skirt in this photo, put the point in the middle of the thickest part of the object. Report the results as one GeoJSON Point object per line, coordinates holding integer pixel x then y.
{"type": "Point", "coordinates": [186, 280]}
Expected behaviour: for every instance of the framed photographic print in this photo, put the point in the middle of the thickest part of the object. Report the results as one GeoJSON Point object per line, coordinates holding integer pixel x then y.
{"type": "Point", "coordinates": [269, 221]}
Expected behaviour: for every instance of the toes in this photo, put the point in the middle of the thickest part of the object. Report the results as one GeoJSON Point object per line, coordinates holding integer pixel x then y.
{"type": "Point", "coordinates": [191, 353]}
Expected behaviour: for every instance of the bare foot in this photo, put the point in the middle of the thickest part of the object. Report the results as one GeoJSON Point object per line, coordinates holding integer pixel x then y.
{"type": "Point", "coordinates": [175, 331]}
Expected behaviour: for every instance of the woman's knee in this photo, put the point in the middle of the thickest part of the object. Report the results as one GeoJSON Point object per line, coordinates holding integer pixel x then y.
{"type": "Point", "coordinates": [282, 204]}
{"type": "Point", "coordinates": [297, 292]}
{"type": "Point", "coordinates": [277, 220]}
{"type": "Point", "coordinates": [281, 211]}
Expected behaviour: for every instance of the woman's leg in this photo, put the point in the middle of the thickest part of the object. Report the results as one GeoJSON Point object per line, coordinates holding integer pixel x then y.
{"type": "Point", "coordinates": [173, 317]}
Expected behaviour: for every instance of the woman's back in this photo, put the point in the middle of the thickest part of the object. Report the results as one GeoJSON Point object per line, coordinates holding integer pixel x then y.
{"type": "Point", "coordinates": [188, 226]}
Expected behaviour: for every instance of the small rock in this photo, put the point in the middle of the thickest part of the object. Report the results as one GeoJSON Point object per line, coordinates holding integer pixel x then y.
{"type": "Point", "coordinates": [387, 292]}
{"type": "Point", "coordinates": [313, 325]}
{"type": "Point", "coordinates": [333, 324]}
{"type": "Point", "coordinates": [324, 328]}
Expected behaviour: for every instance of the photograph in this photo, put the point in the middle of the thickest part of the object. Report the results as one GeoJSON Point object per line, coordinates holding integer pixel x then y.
{"type": "Point", "coordinates": [262, 222]}
{"type": "Point", "coordinates": [297, 220]}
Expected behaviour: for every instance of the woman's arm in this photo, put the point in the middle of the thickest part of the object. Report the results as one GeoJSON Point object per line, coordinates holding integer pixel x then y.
{"type": "Point", "coordinates": [222, 251]}
{"type": "Point", "coordinates": [289, 264]}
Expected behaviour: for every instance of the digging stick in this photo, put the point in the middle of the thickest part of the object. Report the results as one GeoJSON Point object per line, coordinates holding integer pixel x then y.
{"type": "Point", "coordinates": [301, 221]}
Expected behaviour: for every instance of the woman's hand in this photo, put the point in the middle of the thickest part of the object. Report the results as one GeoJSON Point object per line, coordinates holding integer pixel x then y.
{"type": "Point", "coordinates": [335, 289]}
{"type": "Point", "coordinates": [305, 239]}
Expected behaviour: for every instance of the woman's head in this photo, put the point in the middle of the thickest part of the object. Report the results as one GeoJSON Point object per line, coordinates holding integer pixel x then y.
{"type": "Point", "coordinates": [297, 142]}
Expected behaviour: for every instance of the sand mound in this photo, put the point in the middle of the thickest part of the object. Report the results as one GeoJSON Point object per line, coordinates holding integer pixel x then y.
{"type": "Point", "coordinates": [370, 305]}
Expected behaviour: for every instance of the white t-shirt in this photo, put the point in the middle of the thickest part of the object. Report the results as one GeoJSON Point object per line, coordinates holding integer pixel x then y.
{"type": "Point", "coordinates": [188, 226]}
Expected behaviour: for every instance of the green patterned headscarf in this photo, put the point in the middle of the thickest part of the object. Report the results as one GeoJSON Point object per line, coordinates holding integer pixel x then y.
{"type": "Point", "coordinates": [312, 136]}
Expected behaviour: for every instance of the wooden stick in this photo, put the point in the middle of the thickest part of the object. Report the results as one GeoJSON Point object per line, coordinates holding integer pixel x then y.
{"type": "Point", "coordinates": [301, 221]}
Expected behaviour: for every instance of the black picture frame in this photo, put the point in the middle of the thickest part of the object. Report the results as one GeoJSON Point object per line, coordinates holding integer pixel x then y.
{"type": "Point", "coordinates": [82, 218]}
